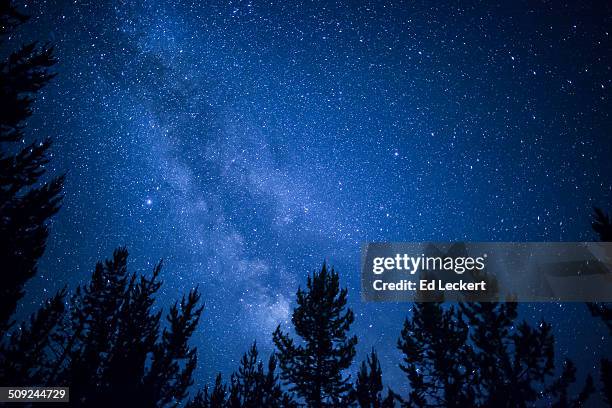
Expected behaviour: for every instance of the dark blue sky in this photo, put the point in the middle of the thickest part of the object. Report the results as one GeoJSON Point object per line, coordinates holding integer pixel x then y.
{"type": "Point", "coordinates": [246, 142]}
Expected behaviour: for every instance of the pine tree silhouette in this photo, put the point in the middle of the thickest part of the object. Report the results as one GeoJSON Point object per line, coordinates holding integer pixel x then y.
{"type": "Point", "coordinates": [10, 17]}
{"type": "Point", "coordinates": [200, 400]}
{"type": "Point", "coordinates": [174, 361]}
{"type": "Point", "coordinates": [606, 379]}
{"type": "Point", "coordinates": [113, 352]}
{"type": "Point", "coordinates": [210, 399]}
{"type": "Point", "coordinates": [314, 368]}
{"type": "Point", "coordinates": [25, 358]}
{"type": "Point", "coordinates": [603, 227]}
{"type": "Point", "coordinates": [559, 389]}
{"type": "Point", "coordinates": [245, 387]}
{"type": "Point", "coordinates": [26, 202]}
{"type": "Point", "coordinates": [480, 356]}
{"type": "Point", "coordinates": [437, 357]}
{"type": "Point", "coordinates": [252, 387]}
{"type": "Point", "coordinates": [513, 360]}
{"type": "Point", "coordinates": [369, 386]}
{"type": "Point", "coordinates": [217, 396]}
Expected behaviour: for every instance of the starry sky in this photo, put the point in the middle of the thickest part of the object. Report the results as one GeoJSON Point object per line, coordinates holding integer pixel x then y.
{"type": "Point", "coordinates": [246, 142]}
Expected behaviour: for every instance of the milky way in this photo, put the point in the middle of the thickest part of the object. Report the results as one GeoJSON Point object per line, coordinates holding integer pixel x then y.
{"type": "Point", "coordinates": [247, 142]}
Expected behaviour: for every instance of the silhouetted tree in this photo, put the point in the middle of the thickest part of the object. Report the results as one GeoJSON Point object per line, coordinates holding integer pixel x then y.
{"type": "Point", "coordinates": [606, 379]}
{"type": "Point", "coordinates": [111, 352]}
{"type": "Point", "coordinates": [558, 391]}
{"type": "Point", "coordinates": [603, 227]}
{"type": "Point", "coordinates": [200, 400]}
{"type": "Point", "coordinates": [480, 356]}
{"type": "Point", "coordinates": [602, 311]}
{"type": "Point", "coordinates": [369, 386]}
{"type": "Point", "coordinates": [252, 387]}
{"type": "Point", "coordinates": [314, 368]}
{"type": "Point", "coordinates": [509, 363]}
{"type": "Point", "coordinates": [210, 399]}
{"type": "Point", "coordinates": [513, 360]}
{"type": "Point", "coordinates": [25, 358]}
{"type": "Point", "coordinates": [173, 361]}
{"type": "Point", "coordinates": [437, 358]}
{"type": "Point", "coordinates": [26, 202]}
{"type": "Point", "coordinates": [10, 17]}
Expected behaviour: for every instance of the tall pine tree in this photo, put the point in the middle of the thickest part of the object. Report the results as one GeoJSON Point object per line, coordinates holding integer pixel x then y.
{"type": "Point", "coordinates": [25, 357]}
{"type": "Point", "coordinates": [27, 202]}
{"type": "Point", "coordinates": [215, 398]}
{"type": "Point", "coordinates": [479, 355]}
{"type": "Point", "coordinates": [437, 357]}
{"type": "Point", "coordinates": [603, 227]}
{"type": "Point", "coordinates": [314, 367]}
{"type": "Point", "coordinates": [253, 387]}
{"type": "Point", "coordinates": [369, 385]}
{"type": "Point", "coordinates": [109, 346]}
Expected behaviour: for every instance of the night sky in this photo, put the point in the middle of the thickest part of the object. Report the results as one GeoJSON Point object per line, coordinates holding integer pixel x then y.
{"type": "Point", "coordinates": [246, 142]}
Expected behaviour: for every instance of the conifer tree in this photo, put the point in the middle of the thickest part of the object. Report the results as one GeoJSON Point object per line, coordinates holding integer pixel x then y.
{"type": "Point", "coordinates": [245, 387]}
{"type": "Point", "coordinates": [173, 360]}
{"type": "Point", "coordinates": [369, 385]}
{"type": "Point", "coordinates": [313, 368]}
{"type": "Point", "coordinates": [210, 399]}
{"type": "Point", "coordinates": [25, 358]}
{"type": "Point", "coordinates": [219, 391]}
{"type": "Point", "coordinates": [479, 355]}
{"type": "Point", "coordinates": [112, 351]}
{"type": "Point", "coordinates": [437, 357]}
{"type": "Point", "coordinates": [252, 387]}
{"type": "Point", "coordinates": [603, 227]}
{"type": "Point", "coordinates": [200, 400]}
{"type": "Point", "coordinates": [27, 202]}
{"type": "Point", "coordinates": [558, 391]}
{"type": "Point", "coordinates": [514, 361]}
{"type": "Point", "coordinates": [606, 379]}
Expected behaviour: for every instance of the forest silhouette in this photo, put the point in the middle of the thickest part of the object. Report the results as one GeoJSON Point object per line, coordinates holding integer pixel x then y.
{"type": "Point", "coordinates": [108, 342]}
